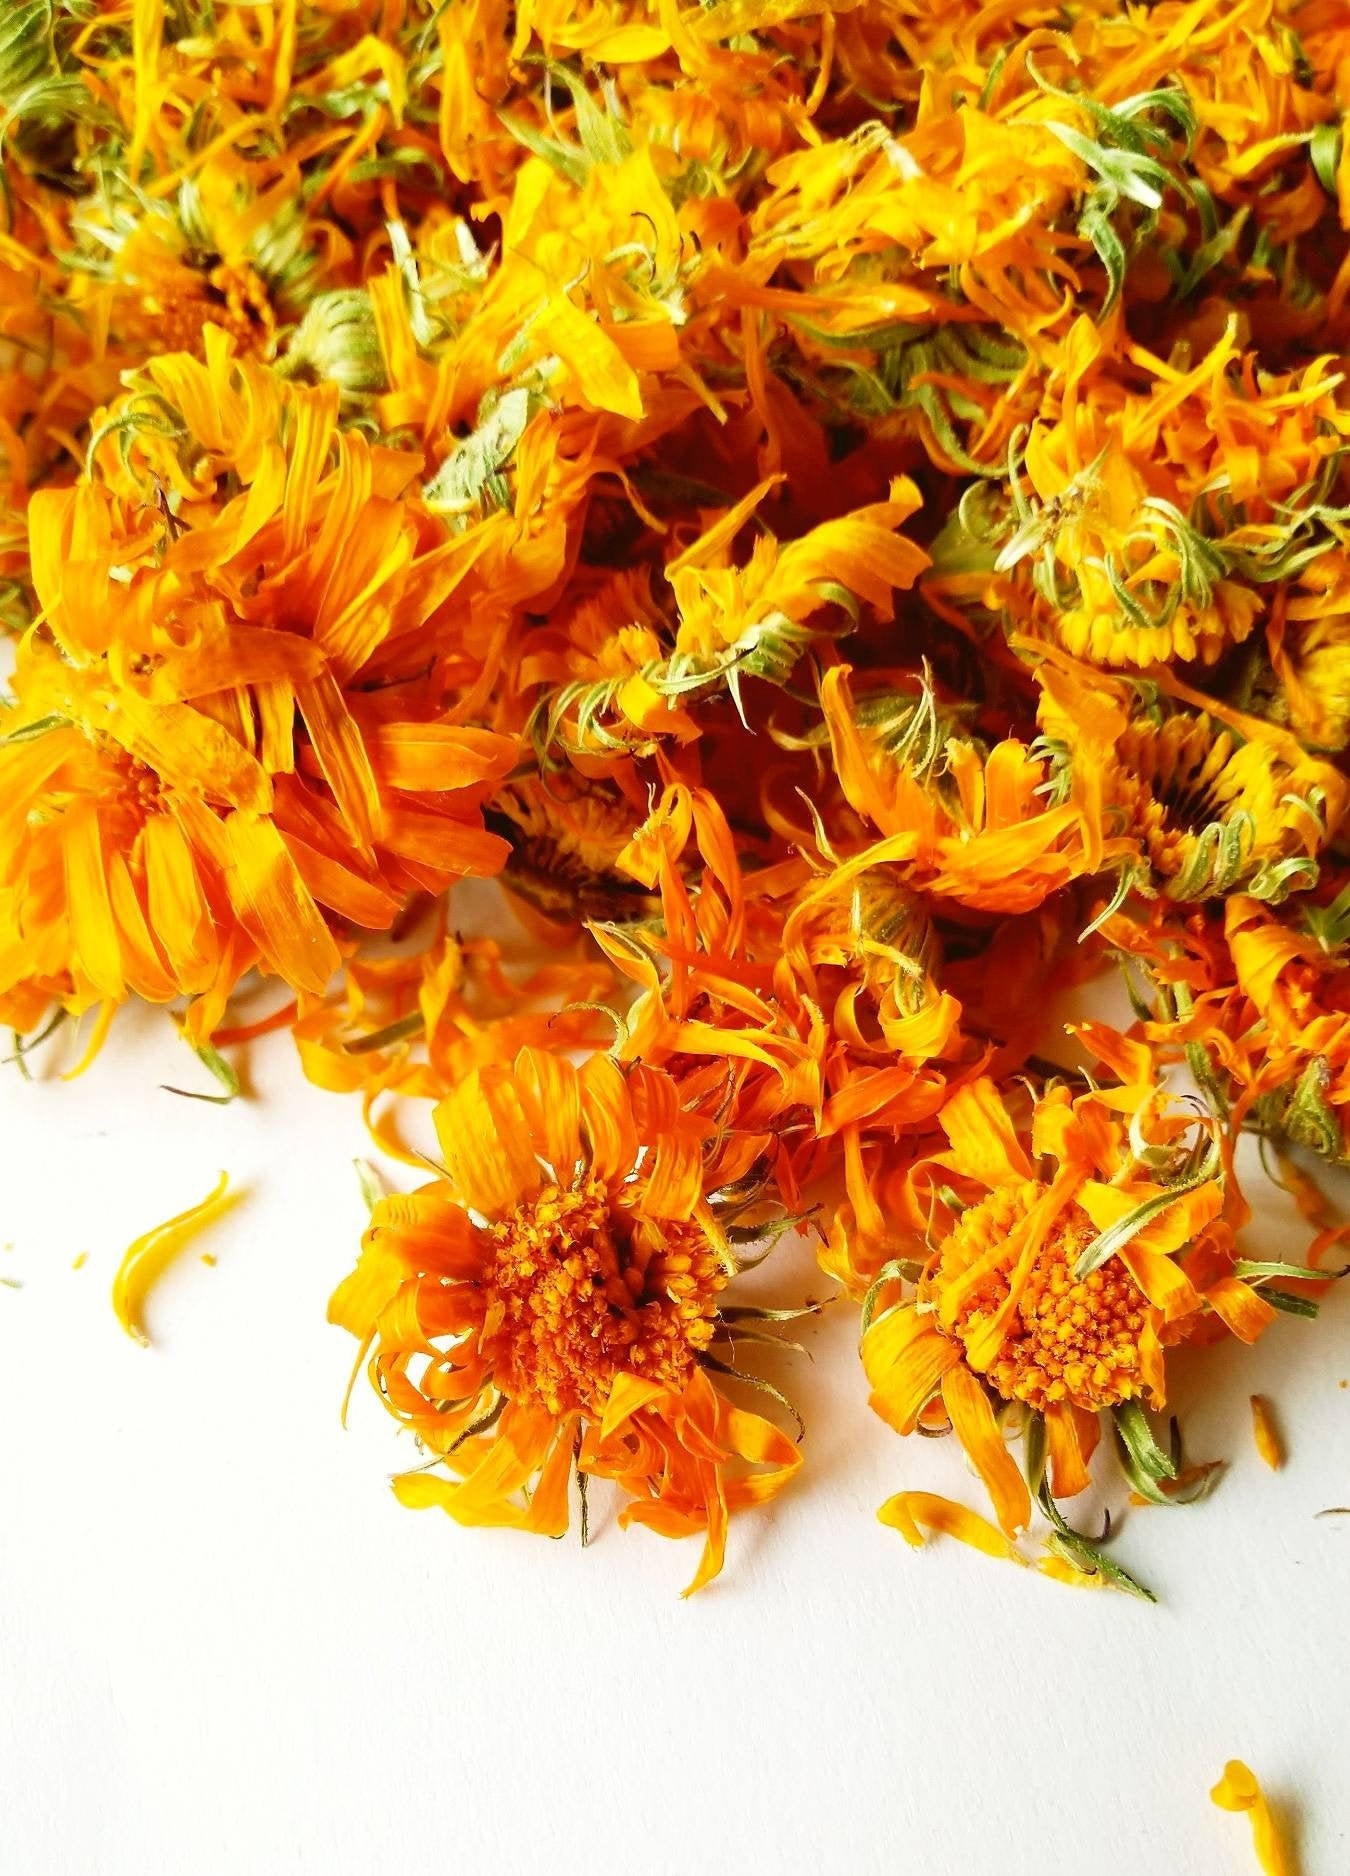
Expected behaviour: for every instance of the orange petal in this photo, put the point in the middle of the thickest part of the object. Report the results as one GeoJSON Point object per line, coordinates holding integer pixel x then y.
{"type": "Point", "coordinates": [486, 1141]}
{"type": "Point", "coordinates": [984, 1145]}
{"type": "Point", "coordinates": [628, 1395]}
{"type": "Point", "coordinates": [341, 755]}
{"type": "Point", "coordinates": [1245, 1311]}
{"type": "Point", "coordinates": [550, 1512]}
{"type": "Point", "coordinates": [973, 1422]}
{"type": "Point", "coordinates": [274, 905]}
{"type": "Point", "coordinates": [905, 1356]}
{"type": "Point", "coordinates": [551, 1098]}
{"type": "Point", "coordinates": [607, 1113]}
{"type": "Point", "coordinates": [432, 758]}
{"type": "Point", "coordinates": [1064, 1432]}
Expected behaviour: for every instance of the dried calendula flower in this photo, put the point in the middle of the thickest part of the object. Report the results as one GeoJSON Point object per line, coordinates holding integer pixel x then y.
{"type": "Point", "coordinates": [553, 1305]}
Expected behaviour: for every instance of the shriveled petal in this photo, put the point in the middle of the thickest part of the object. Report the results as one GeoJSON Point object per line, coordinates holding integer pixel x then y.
{"type": "Point", "coordinates": [274, 905]}
{"type": "Point", "coordinates": [603, 377]}
{"type": "Point", "coordinates": [150, 1255]}
{"type": "Point", "coordinates": [486, 1142]}
{"type": "Point", "coordinates": [488, 1496]}
{"type": "Point", "coordinates": [551, 1098]}
{"type": "Point", "coordinates": [913, 1513]}
{"type": "Point", "coordinates": [607, 1116]}
{"type": "Point", "coordinates": [341, 756]}
{"type": "Point", "coordinates": [984, 1145]}
{"type": "Point", "coordinates": [433, 758]}
{"type": "Point", "coordinates": [1240, 1307]}
{"type": "Point", "coordinates": [93, 929]}
{"type": "Point", "coordinates": [905, 1356]}
{"type": "Point", "coordinates": [628, 1395]}
{"type": "Point", "coordinates": [366, 1292]}
{"type": "Point", "coordinates": [1240, 1790]}
{"type": "Point", "coordinates": [973, 1422]}
{"type": "Point", "coordinates": [1070, 1435]}
{"type": "Point", "coordinates": [175, 901]}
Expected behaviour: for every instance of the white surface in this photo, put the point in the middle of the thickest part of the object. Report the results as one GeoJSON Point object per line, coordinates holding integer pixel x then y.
{"type": "Point", "coordinates": [225, 1648]}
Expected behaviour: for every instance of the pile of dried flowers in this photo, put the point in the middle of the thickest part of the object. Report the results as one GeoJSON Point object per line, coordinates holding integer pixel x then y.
{"type": "Point", "coordinates": [844, 509]}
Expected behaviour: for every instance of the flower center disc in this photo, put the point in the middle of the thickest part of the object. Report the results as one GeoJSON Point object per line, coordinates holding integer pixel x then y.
{"type": "Point", "coordinates": [580, 1290]}
{"type": "Point", "coordinates": [1072, 1338]}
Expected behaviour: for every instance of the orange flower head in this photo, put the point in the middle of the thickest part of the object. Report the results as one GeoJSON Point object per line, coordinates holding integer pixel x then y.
{"type": "Point", "coordinates": [560, 1286]}
{"type": "Point", "coordinates": [1211, 811]}
{"type": "Point", "coordinates": [1057, 1291]}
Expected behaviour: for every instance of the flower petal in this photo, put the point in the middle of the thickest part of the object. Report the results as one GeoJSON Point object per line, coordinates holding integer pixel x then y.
{"type": "Point", "coordinates": [973, 1422]}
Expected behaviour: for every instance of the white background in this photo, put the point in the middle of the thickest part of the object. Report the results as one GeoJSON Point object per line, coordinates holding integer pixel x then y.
{"type": "Point", "coordinates": [224, 1648]}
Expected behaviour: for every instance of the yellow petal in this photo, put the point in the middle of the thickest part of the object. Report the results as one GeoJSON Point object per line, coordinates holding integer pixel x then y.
{"type": "Point", "coordinates": [603, 376]}
{"type": "Point", "coordinates": [1265, 1433]}
{"type": "Point", "coordinates": [150, 1255]}
{"type": "Point", "coordinates": [366, 1292]}
{"type": "Point", "coordinates": [1239, 1790]}
{"type": "Point", "coordinates": [905, 1357]}
{"type": "Point", "coordinates": [913, 1513]}
{"type": "Point", "coordinates": [93, 929]}
{"type": "Point", "coordinates": [486, 1142]}
{"type": "Point", "coordinates": [974, 1424]}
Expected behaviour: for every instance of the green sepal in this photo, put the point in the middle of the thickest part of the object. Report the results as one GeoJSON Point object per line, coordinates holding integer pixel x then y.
{"type": "Point", "coordinates": [1074, 1548]}
{"type": "Point", "coordinates": [212, 1060]}
{"type": "Point", "coordinates": [371, 1181]}
{"type": "Point", "coordinates": [1290, 1305]}
{"type": "Point", "coordinates": [1255, 1269]}
{"type": "Point", "coordinates": [760, 1384]}
{"type": "Point", "coordinates": [1035, 1452]}
{"type": "Point", "coordinates": [397, 1031]}
{"type": "Point", "coordinates": [24, 1045]}
{"type": "Point", "coordinates": [38, 728]}
{"type": "Point", "coordinates": [460, 481]}
{"type": "Point", "coordinates": [1143, 1455]}
{"type": "Point", "coordinates": [1309, 1119]}
{"type": "Point", "coordinates": [892, 1272]}
{"type": "Point", "coordinates": [1324, 153]}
